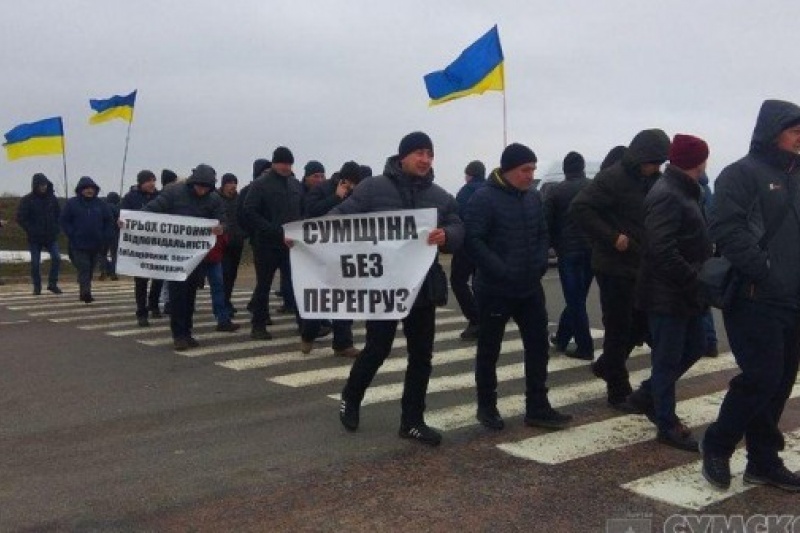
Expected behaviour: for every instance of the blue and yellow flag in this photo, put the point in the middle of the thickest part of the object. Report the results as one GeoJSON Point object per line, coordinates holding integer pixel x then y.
{"type": "Point", "coordinates": [45, 137]}
{"type": "Point", "coordinates": [478, 69]}
{"type": "Point", "coordinates": [114, 107]}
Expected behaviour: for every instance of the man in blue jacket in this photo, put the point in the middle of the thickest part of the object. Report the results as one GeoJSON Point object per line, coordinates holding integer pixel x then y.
{"type": "Point", "coordinates": [506, 236]}
{"type": "Point", "coordinates": [38, 215]}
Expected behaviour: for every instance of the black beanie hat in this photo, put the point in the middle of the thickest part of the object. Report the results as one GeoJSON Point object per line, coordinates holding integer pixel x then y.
{"type": "Point", "coordinates": [516, 155]}
{"type": "Point", "coordinates": [167, 177]}
{"type": "Point", "coordinates": [573, 162]}
{"type": "Point", "coordinates": [203, 175]}
{"type": "Point", "coordinates": [144, 176]}
{"type": "Point", "coordinates": [260, 166]}
{"type": "Point", "coordinates": [313, 167]}
{"type": "Point", "coordinates": [476, 169]}
{"type": "Point", "coordinates": [414, 141]}
{"type": "Point", "coordinates": [365, 170]}
{"type": "Point", "coordinates": [229, 178]}
{"type": "Point", "coordinates": [351, 172]}
{"type": "Point", "coordinates": [282, 155]}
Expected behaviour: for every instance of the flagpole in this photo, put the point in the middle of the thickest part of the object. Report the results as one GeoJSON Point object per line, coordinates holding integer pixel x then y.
{"type": "Point", "coordinates": [505, 121]}
{"type": "Point", "coordinates": [64, 161]}
{"type": "Point", "coordinates": [125, 155]}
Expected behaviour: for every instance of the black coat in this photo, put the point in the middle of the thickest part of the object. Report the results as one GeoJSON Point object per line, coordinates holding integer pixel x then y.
{"type": "Point", "coordinates": [677, 244]}
{"type": "Point", "coordinates": [566, 235]}
{"type": "Point", "coordinates": [136, 199]}
{"type": "Point", "coordinates": [506, 239]}
{"type": "Point", "coordinates": [322, 198]}
{"type": "Point", "coordinates": [38, 214]}
{"type": "Point", "coordinates": [273, 200]}
{"type": "Point", "coordinates": [748, 195]}
{"type": "Point", "coordinates": [180, 199]}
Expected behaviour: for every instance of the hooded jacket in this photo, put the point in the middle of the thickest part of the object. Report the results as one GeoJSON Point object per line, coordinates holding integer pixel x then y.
{"type": "Point", "coordinates": [677, 245]}
{"type": "Point", "coordinates": [38, 214]}
{"type": "Point", "coordinates": [613, 204]}
{"type": "Point", "coordinates": [395, 190]}
{"type": "Point", "coordinates": [87, 222]}
{"type": "Point", "coordinates": [748, 195]}
{"type": "Point", "coordinates": [506, 239]}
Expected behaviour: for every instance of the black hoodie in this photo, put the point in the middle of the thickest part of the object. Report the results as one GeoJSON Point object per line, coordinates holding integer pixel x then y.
{"type": "Point", "coordinates": [38, 214]}
{"type": "Point", "coordinates": [751, 193]}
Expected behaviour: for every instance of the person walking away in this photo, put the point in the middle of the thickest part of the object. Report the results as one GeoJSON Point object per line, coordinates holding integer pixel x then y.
{"type": "Point", "coordinates": [38, 215]}
{"type": "Point", "coordinates": [574, 254]}
{"type": "Point", "coordinates": [88, 224]}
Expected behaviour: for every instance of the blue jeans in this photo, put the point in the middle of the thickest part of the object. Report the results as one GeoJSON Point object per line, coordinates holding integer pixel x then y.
{"type": "Point", "coordinates": [218, 303]}
{"type": "Point", "coordinates": [575, 271]}
{"type": "Point", "coordinates": [678, 342]}
{"type": "Point", "coordinates": [36, 263]}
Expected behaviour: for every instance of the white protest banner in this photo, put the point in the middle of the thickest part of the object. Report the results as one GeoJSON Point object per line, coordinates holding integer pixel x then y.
{"type": "Point", "coordinates": [365, 266]}
{"type": "Point", "coordinates": [153, 245]}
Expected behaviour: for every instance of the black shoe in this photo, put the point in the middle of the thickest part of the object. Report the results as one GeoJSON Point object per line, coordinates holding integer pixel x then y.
{"type": "Point", "coordinates": [712, 351]}
{"type": "Point", "coordinates": [114, 277]}
{"type": "Point", "coordinates": [86, 297]}
{"type": "Point", "coordinates": [102, 277]}
{"type": "Point", "coordinates": [269, 321]}
{"type": "Point", "coordinates": [228, 326]}
{"type": "Point", "coordinates": [554, 344]}
{"type": "Point", "coordinates": [420, 432]}
{"type": "Point", "coordinates": [547, 418]}
{"type": "Point", "coordinates": [37, 291]}
{"type": "Point", "coordinates": [599, 370]}
{"type": "Point", "coordinates": [679, 437]}
{"type": "Point", "coordinates": [348, 415]}
{"type": "Point", "coordinates": [180, 345]}
{"type": "Point", "coordinates": [780, 477]}
{"type": "Point", "coordinates": [490, 418]}
{"type": "Point", "coordinates": [639, 402]}
{"type": "Point", "coordinates": [470, 333]}
{"type": "Point", "coordinates": [324, 331]}
{"type": "Point", "coordinates": [54, 289]}
{"type": "Point", "coordinates": [260, 334]}
{"type": "Point", "coordinates": [155, 313]}
{"type": "Point", "coordinates": [716, 469]}
{"type": "Point", "coordinates": [192, 342]}
{"type": "Point", "coordinates": [143, 322]}
{"type": "Point", "coordinates": [589, 356]}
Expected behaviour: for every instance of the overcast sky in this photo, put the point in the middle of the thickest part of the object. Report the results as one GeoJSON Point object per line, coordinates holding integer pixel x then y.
{"type": "Point", "coordinates": [226, 82]}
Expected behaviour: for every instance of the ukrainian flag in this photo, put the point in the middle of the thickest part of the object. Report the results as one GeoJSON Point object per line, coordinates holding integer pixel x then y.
{"type": "Point", "coordinates": [114, 107]}
{"type": "Point", "coordinates": [478, 69]}
{"type": "Point", "coordinates": [45, 137]}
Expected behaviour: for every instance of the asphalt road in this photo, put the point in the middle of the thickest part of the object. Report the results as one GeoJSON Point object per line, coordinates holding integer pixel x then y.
{"type": "Point", "coordinates": [104, 428]}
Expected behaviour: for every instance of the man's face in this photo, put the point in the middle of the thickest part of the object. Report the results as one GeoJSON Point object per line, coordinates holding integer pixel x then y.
{"type": "Point", "coordinates": [283, 169]}
{"type": "Point", "coordinates": [521, 177]}
{"type": "Point", "coordinates": [229, 189]}
{"type": "Point", "coordinates": [417, 163]}
{"type": "Point", "coordinates": [41, 189]}
{"type": "Point", "coordinates": [88, 192]}
{"type": "Point", "coordinates": [148, 186]}
{"type": "Point", "coordinates": [312, 180]}
{"type": "Point", "coordinates": [201, 190]}
{"type": "Point", "coordinates": [649, 169]}
{"type": "Point", "coordinates": [789, 139]}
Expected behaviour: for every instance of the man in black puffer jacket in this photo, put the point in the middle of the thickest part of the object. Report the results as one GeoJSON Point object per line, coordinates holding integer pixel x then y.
{"type": "Point", "coordinates": [38, 214]}
{"type": "Point", "coordinates": [574, 258]}
{"type": "Point", "coordinates": [611, 211]}
{"type": "Point", "coordinates": [677, 245]}
{"type": "Point", "coordinates": [507, 240]}
{"type": "Point", "coordinates": [406, 183]}
{"type": "Point", "coordinates": [762, 322]}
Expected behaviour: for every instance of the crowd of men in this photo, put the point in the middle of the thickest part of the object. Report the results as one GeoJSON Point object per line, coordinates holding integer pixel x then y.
{"type": "Point", "coordinates": [641, 232]}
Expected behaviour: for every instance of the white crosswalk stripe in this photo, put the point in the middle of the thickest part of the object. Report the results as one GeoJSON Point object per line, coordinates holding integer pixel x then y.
{"type": "Point", "coordinates": [452, 387]}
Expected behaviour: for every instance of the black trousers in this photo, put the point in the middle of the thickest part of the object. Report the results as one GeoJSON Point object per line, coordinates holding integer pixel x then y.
{"type": "Point", "coordinates": [764, 342]}
{"type": "Point", "coordinates": [342, 332]}
{"type": "Point", "coordinates": [530, 315]}
{"type": "Point", "coordinates": [84, 262]}
{"type": "Point", "coordinates": [146, 302]}
{"type": "Point", "coordinates": [418, 327]}
{"type": "Point", "coordinates": [182, 296]}
{"type": "Point", "coordinates": [625, 327]}
{"type": "Point", "coordinates": [267, 261]}
{"type": "Point", "coordinates": [230, 268]}
{"type": "Point", "coordinates": [462, 269]}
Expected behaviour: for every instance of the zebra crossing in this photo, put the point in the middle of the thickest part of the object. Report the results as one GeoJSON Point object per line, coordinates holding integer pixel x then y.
{"type": "Point", "coordinates": [451, 389]}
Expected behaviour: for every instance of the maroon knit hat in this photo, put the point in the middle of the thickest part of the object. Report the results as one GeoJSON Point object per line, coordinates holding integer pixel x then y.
{"type": "Point", "coordinates": [687, 151]}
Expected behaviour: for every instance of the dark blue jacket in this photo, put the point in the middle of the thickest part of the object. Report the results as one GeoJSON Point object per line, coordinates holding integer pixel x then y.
{"type": "Point", "coordinates": [87, 222]}
{"type": "Point", "coordinates": [136, 199]}
{"type": "Point", "coordinates": [507, 239]}
{"type": "Point", "coordinates": [38, 214]}
{"type": "Point", "coordinates": [466, 192]}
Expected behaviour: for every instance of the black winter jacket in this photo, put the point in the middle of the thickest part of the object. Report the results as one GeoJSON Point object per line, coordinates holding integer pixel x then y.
{"type": "Point", "coordinates": [748, 195]}
{"type": "Point", "coordinates": [506, 239]}
{"type": "Point", "coordinates": [677, 244]}
{"type": "Point", "coordinates": [396, 190]}
{"type": "Point", "coordinates": [613, 204]}
{"type": "Point", "coordinates": [566, 235]}
{"type": "Point", "coordinates": [322, 198]}
{"type": "Point", "coordinates": [273, 200]}
{"type": "Point", "coordinates": [180, 199]}
{"type": "Point", "coordinates": [38, 214]}
{"type": "Point", "coordinates": [236, 235]}
{"type": "Point", "coordinates": [136, 199]}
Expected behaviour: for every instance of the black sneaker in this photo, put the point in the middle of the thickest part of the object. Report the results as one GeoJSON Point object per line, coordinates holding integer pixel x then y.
{"type": "Point", "coordinates": [679, 437]}
{"type": "Point", "coordinates": [553, 342]}
{"type": "Point", "coordinates": [588, 356]}
{"type": "Point", "coordinates": [470, 333]}
{"type": "Point", "coordinates": [780, 477]}
{"type": "Point", "coordinates": [716, 469]}
{"type": "Point", "coordinates": [547, 418]}
{"type": "Point", "coordinates": [180, 345]}
{"type": "Point", "coordinates": [143, 322]}
{"type": "Point", "coordinates": [324, 331]}
{"type": "Point", "coordinates": [490, 418]}
{"type": "Point", "coordinates": [228, 326]}
{"type": "Point", "coordinates": [260, 334]}
{"type": "Point", "coordinates": [712, 351]}
{"type": "Point", "coordinates": [54, 289]}
{"type": "Point", "coordinates": [37, 291]}
{"type": "Point", "coordinates": [422, 433]}
{"type": "Point", "coordinates": [348, 415]}
{"type": "Point", "coordinates": [192, 342]}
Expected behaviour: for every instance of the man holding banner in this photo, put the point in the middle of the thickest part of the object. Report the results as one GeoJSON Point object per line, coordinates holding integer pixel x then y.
{"type": "Point", "coordinates": [406, 183]}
